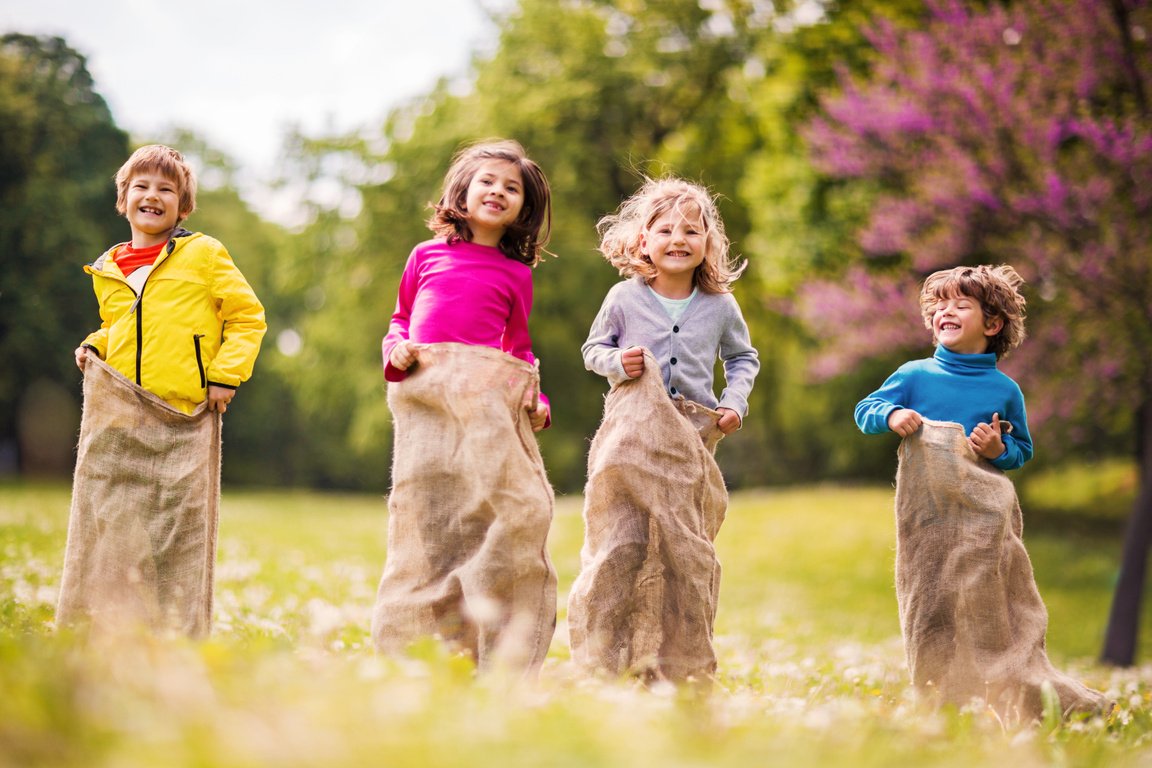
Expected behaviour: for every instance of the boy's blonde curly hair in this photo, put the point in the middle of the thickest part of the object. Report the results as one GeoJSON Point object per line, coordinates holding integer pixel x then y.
{"type": "Point", "coordinates": [996, 288]}
{"type": "Point", "coordinates": [620, 232]}
{"type": "Point", "coordinates": [168, 163]}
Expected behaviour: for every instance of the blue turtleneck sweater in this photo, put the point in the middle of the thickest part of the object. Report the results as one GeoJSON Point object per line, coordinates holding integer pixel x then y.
{"type": "Point", "coordinates": [966, 389]}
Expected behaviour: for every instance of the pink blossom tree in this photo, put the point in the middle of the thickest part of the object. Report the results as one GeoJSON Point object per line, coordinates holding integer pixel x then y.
{"type": "Point", "coordinates": [1020, 135]}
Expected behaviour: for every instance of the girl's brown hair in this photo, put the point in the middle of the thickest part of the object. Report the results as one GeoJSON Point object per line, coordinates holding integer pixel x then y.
{"type": "Point", "coordinates": [620, 232]}
{"type": "Point", "coordinates": [996, 288]}
{"type": "Point", "coordinates": [168, 163]}
{"type": "Point", "coordinates": [525, 239]}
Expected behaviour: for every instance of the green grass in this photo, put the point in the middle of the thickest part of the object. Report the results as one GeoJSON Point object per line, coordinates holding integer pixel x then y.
{"type": "Point", "coordinates": [811, 664]}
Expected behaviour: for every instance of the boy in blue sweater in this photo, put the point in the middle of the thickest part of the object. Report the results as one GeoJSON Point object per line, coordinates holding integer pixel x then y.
{"type": "Point", "coordinates": [971, 617]}
{"type": "Point", "coordinates": [976, 315]}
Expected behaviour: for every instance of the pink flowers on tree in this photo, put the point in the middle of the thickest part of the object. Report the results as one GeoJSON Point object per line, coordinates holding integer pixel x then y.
{"type": "Point", "coordinates": [1020, 135]}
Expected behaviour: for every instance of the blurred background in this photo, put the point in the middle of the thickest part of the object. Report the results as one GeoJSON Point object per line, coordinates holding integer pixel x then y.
{"type": "Point", "coordinates": [856, 146]}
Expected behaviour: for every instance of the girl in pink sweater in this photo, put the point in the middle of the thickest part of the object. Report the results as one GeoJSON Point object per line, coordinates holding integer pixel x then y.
{"type": "Point", "coordinates": [473, 283]}
{"type": "Point", "coordinates": [470, 504]}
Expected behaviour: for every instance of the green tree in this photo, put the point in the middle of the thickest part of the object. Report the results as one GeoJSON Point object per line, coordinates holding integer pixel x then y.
{"type": "Point", "coordinates": [59, 148]}
{"type": "Point", "coordinates": [800, 227]}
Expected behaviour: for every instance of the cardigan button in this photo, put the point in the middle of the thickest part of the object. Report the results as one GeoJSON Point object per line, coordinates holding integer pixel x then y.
{"type": "Point", "coordinates": [675, 329]}
{"type": "Point", "coordinates": [673, 361]}
{"type": "Point", "coordinates": [673, 390]}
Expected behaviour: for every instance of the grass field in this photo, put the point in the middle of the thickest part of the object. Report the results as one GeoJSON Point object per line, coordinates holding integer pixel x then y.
{"type": "Point", "coordinates": [811, 663]}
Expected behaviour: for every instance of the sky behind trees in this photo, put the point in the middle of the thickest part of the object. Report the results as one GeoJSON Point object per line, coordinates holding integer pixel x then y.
{"type": "Point", "coordinates": [239, 73]}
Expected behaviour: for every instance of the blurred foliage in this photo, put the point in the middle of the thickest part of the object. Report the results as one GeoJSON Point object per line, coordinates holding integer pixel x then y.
{"type": "Point", "coordinates": [1097, 495]}
{"type": "Point", "coordinates": [59, 148]}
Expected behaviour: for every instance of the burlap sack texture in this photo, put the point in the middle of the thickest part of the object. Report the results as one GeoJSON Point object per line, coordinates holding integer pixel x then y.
{"type": "Point", "coordinates": [972, 618]}
{"type": "Point", "coordinates": [469, 512]}
{"type": "Point", "coordinates": [145, 508]}
{"type": "Point", "coordinates": [645, 600]}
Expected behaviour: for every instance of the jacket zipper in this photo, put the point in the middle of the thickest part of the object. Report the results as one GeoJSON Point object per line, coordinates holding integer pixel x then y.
{"type": "Point", "coordinates": [199, 362]}
{"type": "Point", "coordinates": [139, 331]}
{"type": "Point", "coordinates": [138, 308]}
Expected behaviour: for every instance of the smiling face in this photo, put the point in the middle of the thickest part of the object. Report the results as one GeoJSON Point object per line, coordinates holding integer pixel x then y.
{"type": "Point", "coordinates": [675, 243]}
{"type": "Point", "coordinates": [152, 207]}
{"type": "Point", "coordinates": [958, 324]}
{"type": "Point", "coordinates": [493, 201]}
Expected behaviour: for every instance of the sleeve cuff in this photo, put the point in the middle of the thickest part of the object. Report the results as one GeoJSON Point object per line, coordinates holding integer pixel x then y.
{"type": "Point", "coordinates": [548, 420]}
{"type": "Point", "coordinates": [394, 374]}
{"type": "Point", "coordinates": [616, 373]}
{"type": "Point", "coordinates": [734, 403]}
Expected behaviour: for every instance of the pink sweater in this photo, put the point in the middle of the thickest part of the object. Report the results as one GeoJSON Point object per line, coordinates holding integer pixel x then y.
{"type": "Point", "coordinates": [467, 293]}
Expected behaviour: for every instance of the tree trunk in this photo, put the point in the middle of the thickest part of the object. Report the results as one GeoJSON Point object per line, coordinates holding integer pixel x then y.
{"type": "Point", "coordinates": [1124, 621]}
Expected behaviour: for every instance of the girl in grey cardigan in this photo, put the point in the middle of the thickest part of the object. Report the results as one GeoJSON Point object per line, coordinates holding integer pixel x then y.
{"type": "Point", "coordinates": [645, 601]}
{"type": "Point", "coordinates": [669, 240]}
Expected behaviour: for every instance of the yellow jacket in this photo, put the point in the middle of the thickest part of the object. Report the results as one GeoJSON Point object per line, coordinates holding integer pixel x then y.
{"type": "Point", "coordinates": [195, 321]}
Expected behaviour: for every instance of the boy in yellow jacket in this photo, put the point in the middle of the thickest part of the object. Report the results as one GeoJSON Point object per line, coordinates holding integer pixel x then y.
{"type": "Point", "coordinates": [178, 317]}
{"type": "Point", "coordinates": [180, 331]}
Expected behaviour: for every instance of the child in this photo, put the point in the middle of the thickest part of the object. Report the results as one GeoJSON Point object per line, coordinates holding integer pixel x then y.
{"type": "Point", "coordinates": [181, 330]}
{"type": "Point", "coordinates": [645, 599]}
{"type": "Point", "coordinates": [470, 505]}
{"type": "Point", "coordinates": [976, 316]}
{"type": "Point", "coordinates": [972, 619]}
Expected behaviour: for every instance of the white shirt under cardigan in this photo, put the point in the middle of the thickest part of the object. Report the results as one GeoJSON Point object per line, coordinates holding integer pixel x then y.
{"type": "Point", "coordinates": [687, 348]}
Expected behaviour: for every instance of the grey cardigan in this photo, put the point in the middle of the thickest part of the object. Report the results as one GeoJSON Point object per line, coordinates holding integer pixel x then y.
{"type": "Point", "coordinates": [632, 316]}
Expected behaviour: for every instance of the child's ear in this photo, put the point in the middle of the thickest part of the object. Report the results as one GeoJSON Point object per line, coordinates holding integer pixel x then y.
{"type": "Point", "coordinates": [991, 328]}
{"type": "Point", "coordinates": [643, 242]}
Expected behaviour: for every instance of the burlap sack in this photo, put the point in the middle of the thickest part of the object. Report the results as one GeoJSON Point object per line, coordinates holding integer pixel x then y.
{"type": "Point", "coordinates": [469, 511]}
{"type": "Point", "coordinates": [972, 618]}
{"type": "Point", "coordinates": [645, 600]}
{"type": "Point", "coordinates": [145, 507]}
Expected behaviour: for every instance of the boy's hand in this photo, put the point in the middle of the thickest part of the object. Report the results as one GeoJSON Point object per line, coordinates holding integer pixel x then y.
{"type": "Point", "coordinates": [219, 397]}
{"type": "Point", "coordinates": [633, 361]}
{"type": "Point", "coordinates": [81, 357]}
{"type": "Point", "coordinates": [538, 416]}
{"type": "Point", "coordinates": [904, 421]}
{"type": "Point", "coordinates": [729, 420]}
{"type": "Point", "coordinates": [403, 356]}
{"type": "Point", "coordinates": [985, 439]}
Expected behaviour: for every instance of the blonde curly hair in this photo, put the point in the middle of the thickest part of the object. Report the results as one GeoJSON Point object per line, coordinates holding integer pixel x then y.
{"type": "Point", "coordinates": [620, 233]}
{"type": "Point", "coordinates": [996, 288]}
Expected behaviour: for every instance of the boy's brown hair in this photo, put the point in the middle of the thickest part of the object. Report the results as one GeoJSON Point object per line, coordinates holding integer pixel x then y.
{"type": "Point", "coordinates": [525, 239]}
{"type": "Point", "coordinates": [166, 161]}
{"type": "Point", "coordinates": [620, 233]}
{"type": "Point", "coordinates": [996, 288]}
